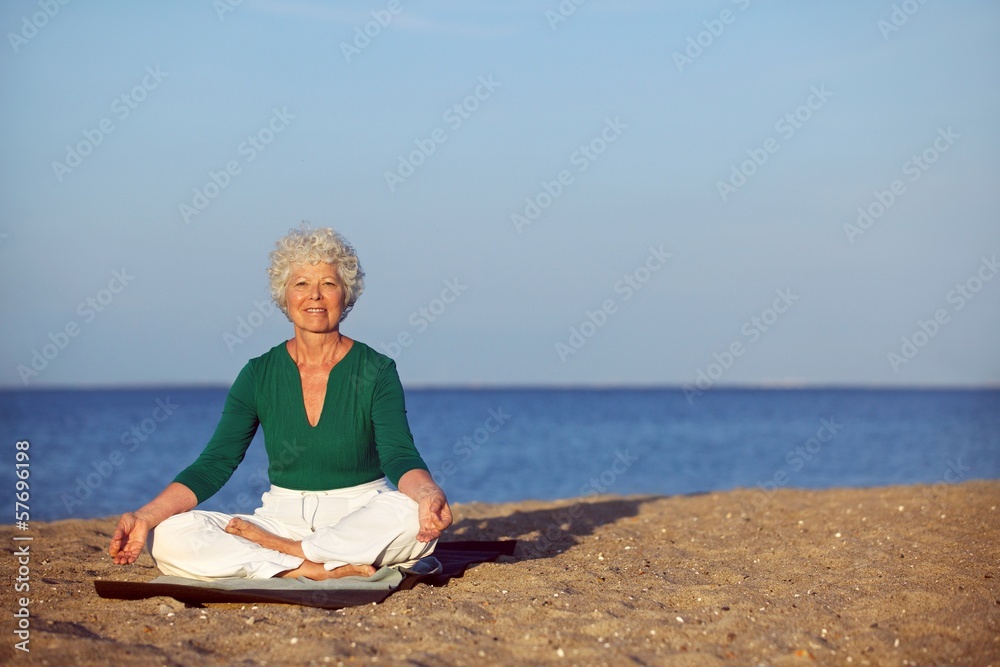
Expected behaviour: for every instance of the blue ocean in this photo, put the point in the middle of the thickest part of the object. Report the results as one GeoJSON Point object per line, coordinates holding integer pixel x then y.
{"type": "Point", "coordinates": [96, 453]}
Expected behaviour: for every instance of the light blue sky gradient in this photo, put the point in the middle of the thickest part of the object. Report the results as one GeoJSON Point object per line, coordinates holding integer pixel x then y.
{"type": "Point", "coordinates": [610, 67]}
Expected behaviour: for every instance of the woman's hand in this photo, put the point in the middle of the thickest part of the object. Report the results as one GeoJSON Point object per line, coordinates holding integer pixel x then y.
{"type": "Point", "coordinates": [133, 527]}
{"type": "Point", "coordinates": [434, 512]}
{"type": "Point", "coordinates": [435, 515]}
{"type": "Point", "coordinates": [129, 538]}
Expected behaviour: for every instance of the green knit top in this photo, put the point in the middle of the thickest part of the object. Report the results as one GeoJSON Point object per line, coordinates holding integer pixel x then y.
{"type": "Point", "coordinates": [362, 433]}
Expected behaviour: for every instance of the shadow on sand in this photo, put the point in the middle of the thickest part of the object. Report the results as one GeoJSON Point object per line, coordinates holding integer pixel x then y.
{"type": "Point", "coordinates": [543, 533]}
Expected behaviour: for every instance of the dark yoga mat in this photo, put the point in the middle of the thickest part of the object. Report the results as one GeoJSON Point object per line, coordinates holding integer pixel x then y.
{"type": "Point", "coordinates": [454, 557]}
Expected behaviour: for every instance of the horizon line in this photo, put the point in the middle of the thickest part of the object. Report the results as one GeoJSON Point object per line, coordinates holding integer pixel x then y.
{"type": "Point", "coordinates": [585, 386]}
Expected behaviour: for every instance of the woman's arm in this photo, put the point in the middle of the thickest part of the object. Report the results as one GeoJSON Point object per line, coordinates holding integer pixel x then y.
{"type": "Point", "coordinates": [201, 479]}
{"type": "Point", "coordinates": [399, 458]}
{"type": "Point", "coordinates": [435, 514]}
{"type": "Point", "coordinates": [133, 527]}
{"type": "Point", "coordinates": [228, 445]}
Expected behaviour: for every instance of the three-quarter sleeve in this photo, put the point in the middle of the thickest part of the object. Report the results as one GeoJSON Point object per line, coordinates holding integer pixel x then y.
{"type": "Point", "coordinates": [224, 452]}
{"type": "Point", "coordinates": [393, 440]}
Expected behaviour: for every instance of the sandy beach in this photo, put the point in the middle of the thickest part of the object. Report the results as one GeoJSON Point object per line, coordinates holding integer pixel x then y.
{"type": "Point", "coordinates": [883, 576]}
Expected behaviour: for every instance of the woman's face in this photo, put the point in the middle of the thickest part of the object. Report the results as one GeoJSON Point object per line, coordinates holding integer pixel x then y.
{"type": "Point", "coordinates": [314, 297]}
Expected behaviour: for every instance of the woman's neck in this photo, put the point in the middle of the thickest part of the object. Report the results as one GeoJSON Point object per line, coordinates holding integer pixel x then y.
{"type": "Point", "coordinates": [315, 349]}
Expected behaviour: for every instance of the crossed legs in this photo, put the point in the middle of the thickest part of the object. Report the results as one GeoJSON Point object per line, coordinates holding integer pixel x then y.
{"type": "Point", "coordinates": [309, 569]}
{"type": "Point", "coordinates": [321, 535]}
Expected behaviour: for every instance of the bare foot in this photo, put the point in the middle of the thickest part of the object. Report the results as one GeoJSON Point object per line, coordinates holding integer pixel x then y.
{"type": "Point", "coordinates": [317, 572]}
{"type": "Point", "coordinates": [251, 531]}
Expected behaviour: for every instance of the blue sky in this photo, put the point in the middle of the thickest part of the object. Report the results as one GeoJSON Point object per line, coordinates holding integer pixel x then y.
{"type": "Point", "coordinates": [697, 169]}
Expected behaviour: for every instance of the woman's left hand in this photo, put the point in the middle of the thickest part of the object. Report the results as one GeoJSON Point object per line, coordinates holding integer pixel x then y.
{"type": "Point", "coordinates": [434, 512]}
{"type": "Point", "coordinates": [435, 516]}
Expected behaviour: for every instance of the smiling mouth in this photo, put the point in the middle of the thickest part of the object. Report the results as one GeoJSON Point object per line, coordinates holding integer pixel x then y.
{"type": "Point", "coordinates": [316, 310]}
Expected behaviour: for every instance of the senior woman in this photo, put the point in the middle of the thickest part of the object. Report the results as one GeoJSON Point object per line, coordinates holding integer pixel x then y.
{"type": "Point", "coordinates": [335, 431]}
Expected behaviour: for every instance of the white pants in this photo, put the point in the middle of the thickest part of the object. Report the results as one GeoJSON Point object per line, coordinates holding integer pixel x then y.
{"type": "Point", "coordinates": [369, 524]}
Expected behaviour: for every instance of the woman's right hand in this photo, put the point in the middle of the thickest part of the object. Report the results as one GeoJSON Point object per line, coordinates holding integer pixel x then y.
{"type": "Point", "coordinates": [133, 527]}
{"type": "Point", "coordinates": [129, 538]}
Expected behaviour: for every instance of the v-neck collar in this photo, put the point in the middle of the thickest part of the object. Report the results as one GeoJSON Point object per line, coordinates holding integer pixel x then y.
{"type": "Point", "coordinates": [326, 395]}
